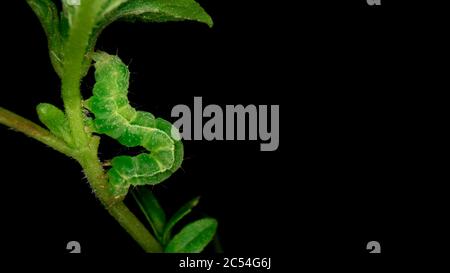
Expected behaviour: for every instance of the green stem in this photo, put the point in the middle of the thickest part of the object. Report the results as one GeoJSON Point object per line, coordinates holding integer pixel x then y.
{"type": "Point", "coordinates": [74, 54]}
{"type": "Point", "coordinates": [98, 181]}
{"type": "Point", "coordinates": [86, 145]}
{"type": "Point", "coordinates": [93, 171]}
{"type": "Point", "coordinates": [35, 131]}
{"type": "Point", "coordinates": [135, 228]}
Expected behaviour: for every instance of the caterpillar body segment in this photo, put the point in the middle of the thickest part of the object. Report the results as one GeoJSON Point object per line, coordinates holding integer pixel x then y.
{"type": "Point", "coordinates": [115, 117]}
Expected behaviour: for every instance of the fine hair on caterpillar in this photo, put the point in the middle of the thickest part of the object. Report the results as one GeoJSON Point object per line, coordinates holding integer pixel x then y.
{"type": "Point", "coordinates": [115, 117]}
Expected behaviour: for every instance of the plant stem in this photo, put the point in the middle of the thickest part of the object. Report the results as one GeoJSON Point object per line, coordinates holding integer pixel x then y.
{"type": "Point", "coordinates": [86, 145]}
{"type": "Point", "coordinates": [35, 131]}
{"type": "Point", "coordinates": [135, 228]}
{"type": "Point", "coordinates": [94, 172]}
{"type": "Point", "coordinates": [98, 181]}
{"type": "Point", "coordinates": [74, 54]}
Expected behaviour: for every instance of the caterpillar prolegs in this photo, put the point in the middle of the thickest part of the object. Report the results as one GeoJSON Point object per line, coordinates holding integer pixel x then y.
{"type": "Point", "coordinates": [115, 117]}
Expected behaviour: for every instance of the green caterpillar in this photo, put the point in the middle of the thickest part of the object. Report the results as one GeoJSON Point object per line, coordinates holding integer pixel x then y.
{"type": "Point", "coordinates": [116, 118]}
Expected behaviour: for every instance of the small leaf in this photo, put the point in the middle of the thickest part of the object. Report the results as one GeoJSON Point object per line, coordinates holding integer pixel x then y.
{"type": "Point", "coordinates": [183, 211]}
{"type": "Point", "coordinates": [194, 237]}
{"type": "Point", "coordinates": [151, 208]}
{"type": "Point", "coordinates": [55, 120]}
{"type": "Point", "coordinates": [162, 11]}
{"type": "Point", "coordinates": [48, 15]}
{"type": "Point", "coordinates": [148, 11]}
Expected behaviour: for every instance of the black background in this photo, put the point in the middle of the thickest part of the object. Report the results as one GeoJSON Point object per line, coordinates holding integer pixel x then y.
{"type": "Point", "coordinates": [348, 169]}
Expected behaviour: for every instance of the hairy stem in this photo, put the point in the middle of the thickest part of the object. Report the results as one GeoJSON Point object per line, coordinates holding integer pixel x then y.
{"type": "Point", "coordinates": [74, 54]}
{"type": "Point", "coordinates": [35, 131]}
{"type": "Point", "coordinates": [86, 145]}
{"type": "Point", "coordinates": [98, 180]}
{"type": "Point", "coordinates": [93, 171]}
{"type": "Point", "coordinates": [135, 228]}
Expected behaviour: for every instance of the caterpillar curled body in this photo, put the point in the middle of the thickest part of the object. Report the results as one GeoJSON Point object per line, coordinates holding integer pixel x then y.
{"type": "Point", "coordinates": [115, 117]}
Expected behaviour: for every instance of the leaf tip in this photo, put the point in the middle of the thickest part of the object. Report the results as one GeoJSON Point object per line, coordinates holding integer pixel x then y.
{"type": "Point", "coordinates": [209, 21]}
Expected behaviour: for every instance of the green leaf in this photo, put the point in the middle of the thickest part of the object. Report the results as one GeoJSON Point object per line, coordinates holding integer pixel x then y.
{"type": "Point", "coordinates": [57, 25]}
{"type": "Point", "coordinates": [48, 15]}
{"type": "Point", "coordinates": [148, 11]}
{"type": "Point", "coordinates": [55, 120]}
{"type": "Point", "coordinates": [151, 208]}
{"type": "Point", "coordinates": [180, 214]}
{"type": "Point", "coordinates": [162, 11]}
{"type": "Point", "coordinates": [194, 237]}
